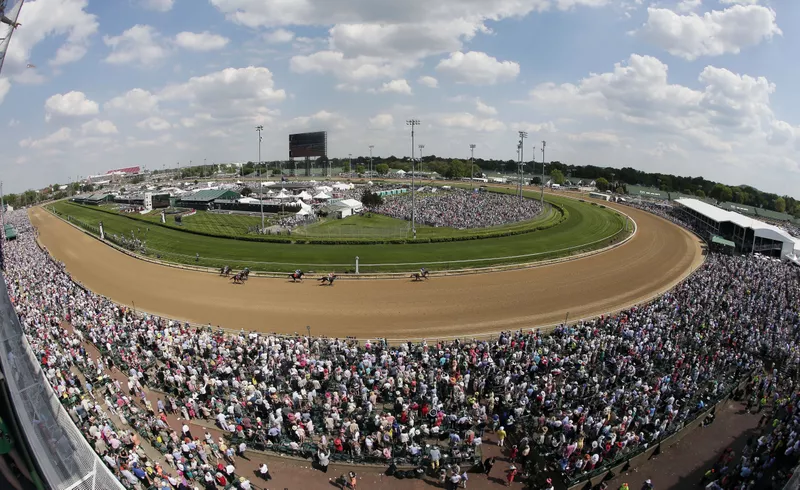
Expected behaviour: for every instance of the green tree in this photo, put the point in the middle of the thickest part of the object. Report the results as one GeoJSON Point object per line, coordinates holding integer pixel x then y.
{"type": "Point", "coordinates": [700, 193]}
{"type": "Point", "coordinates": [727, 194]}
{"type": "Point", "coordinates": [620, 190]}
{"type": "Point", "coordinates": [602, 184]}
{"type": "Point", "coordinates": [688, 192]}
{"type": "Point", "coordinates": [558, 177]}
{"type": "Point", "coordinates": [780, 205]}
{"type": "Point", "coordinates": [536, 180]}
{"type": "Point", "coordinates": [246, 191]}
{"type": "Point", "coordinates": [382, 168]}
{"type": "Point", "coordinates": [360, 169]}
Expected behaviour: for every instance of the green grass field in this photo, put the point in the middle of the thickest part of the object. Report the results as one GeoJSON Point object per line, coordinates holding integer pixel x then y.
{"type": "Point", "coordinates": [232, 225]}
{"type": "Point", "coordinates": [588, 227]}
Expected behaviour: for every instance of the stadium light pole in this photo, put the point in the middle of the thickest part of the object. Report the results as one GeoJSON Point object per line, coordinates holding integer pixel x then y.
{"type": "Point", "coordinates": [260, 128]}
{"type": "Point", "coordinates": [544, 143]}
{"type": "Point", "coordinates": [350, 163]}
{"type": "Point", "coordinates": [421, 147]}
{"type": "Point", "coordinates": [472, 165]}
{"type": "Point", "coordinates": [370, 159]}
{"type": "Point", "coordinates": [413, 123]}
{"type": "Point", "coordinates": [522, 136]}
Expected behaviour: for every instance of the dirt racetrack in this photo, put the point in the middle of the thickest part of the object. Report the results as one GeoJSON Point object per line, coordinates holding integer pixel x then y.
{"type": "Point", "coordinates": [656, 258]}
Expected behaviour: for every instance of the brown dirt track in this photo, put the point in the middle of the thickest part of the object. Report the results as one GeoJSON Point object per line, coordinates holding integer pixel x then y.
{"type": "Point", "coordinates": [660, 255]}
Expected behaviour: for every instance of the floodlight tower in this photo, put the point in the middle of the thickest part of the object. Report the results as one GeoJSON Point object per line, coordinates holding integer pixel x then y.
{"type": "Point", "coordinates": [544, 143]}
{"type": "Point", "coordinates": [522, 136]}
{"type": "Point", "coordinates": [260, 128]}
{"type": "Point", "coordinates": [413, 123]}
{"type": "Point", "coordinates": [371, 147]}
{"type": "Point", "coordinates": [472, 165]}
{"type": "Point", "coordinates": [350, 163]}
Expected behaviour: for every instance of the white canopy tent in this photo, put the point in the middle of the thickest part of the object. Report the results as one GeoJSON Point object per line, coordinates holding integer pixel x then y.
{"type": "Point", "coordinates": [304, 196]}
{"type": "Point", "coordinates": [321, 196]}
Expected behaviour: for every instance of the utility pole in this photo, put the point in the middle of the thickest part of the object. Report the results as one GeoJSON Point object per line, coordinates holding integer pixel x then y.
{"type": "Point", "coordinates": [472, 165]}
{"type": "Point", "coordinates": [350, 163]}
{"type": "Point", "coordinates": [522, 136]}
{"type": "Point", "coordinates": [260, 128]}
{"type": "Point", "coordinates": [544, 143]}
{"type": "Point", "coordinates": [413, 123]}
{"type": "Point", "coordinates": [370, 159]}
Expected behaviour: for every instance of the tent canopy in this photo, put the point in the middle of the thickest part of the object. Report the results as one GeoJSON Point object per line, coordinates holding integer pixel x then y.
{"type": "Point", "coordinates": [721, 241]}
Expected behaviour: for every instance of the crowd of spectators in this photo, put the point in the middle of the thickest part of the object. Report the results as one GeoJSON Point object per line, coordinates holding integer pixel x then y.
{"type": "Point", "coordinates": [461, 209]}
{"type": "Point", "coordinates": [581, 397]}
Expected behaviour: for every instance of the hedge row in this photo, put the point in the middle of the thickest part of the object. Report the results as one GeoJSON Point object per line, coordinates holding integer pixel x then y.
{"type": "Point", "coordinates": [395, 241]}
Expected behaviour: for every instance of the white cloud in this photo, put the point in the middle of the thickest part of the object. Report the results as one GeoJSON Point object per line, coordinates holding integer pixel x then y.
{"type": "Point", "coordinates": [381, 121]}
{"type": "Point", "coordinates": [279, 36]}
{"type": "Point", "coordinates": [730, 111]}
{"type": "Point", "coordinates": [154, 124]}
{"type": "Point", "coordinates": [712, 34]}
{"type": "Point", "coordinates": [98, 127]}
{"type": "Point", "coordinates": [478, 68]}
{"type": "Point", "coordinates": [202, 41]}
{"type": "Point", "coordinates": [60, 136]}
{"type": "Point", "coordinates": [358, 69]}
{"type": "Point", "coordinates": [428, 81]}
{"type": "Point", "coordinates": [400, 86]}
{"type": "Point", "coordinates": [5, 86]}
{"type": "Point", "coordinates": [13, 123]}
{"type": "Point", "coordinates": [322, 118]}
{"type": "Point", "coordinates": [141, 44]}
{"type": "Point", "coordinates": [485, 108]}
{"type": "Point", "coordinates": [158, 5]}
{"type": "Point", "coordinates": [70, 104]}
{"type": "Point", "coordinates": [230, 93]}
{"type": "Point", "coordinates": [47, 19]}
{"type": "Point", "coordinates": [134, 101]}
{"type": "Point", "coordinates": [740, 2]}
{"type": "Point", "coordinates": [688, 5]}
{"type": "Point", "coordinates": [595, 137]}
{"type": "Point", "coordinates": [469, 121]}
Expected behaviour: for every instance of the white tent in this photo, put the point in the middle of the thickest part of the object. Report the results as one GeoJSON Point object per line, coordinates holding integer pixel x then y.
{"type": "Point", "coordinates": [283, 195]}
{"type": "Point", "coordinates": [302, 212]}
{"type": "Point", "coordinates": [270, 192]}
{"type": "Point", "coordinates": [248, 200]}
{"type": "Point", "coordinates": [304, 196]}
{"type": "Point", "coordinates": [324, 188]}
{"type": "Point", "coordinates": [342, 187]}
{"type": "Point", "coordinates": [322, 196]}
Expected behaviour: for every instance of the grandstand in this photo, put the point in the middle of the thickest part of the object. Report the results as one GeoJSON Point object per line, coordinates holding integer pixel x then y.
{"type": "Point", "coordinates": [748, 234]}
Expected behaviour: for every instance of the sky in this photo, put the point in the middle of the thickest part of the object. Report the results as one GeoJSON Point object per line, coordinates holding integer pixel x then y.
{"type": "Point", "coordinates": [688, 87]}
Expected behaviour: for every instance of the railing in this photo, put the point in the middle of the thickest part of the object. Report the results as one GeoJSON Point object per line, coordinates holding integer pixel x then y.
{"type": "Point", "coordinates": [64, 457]}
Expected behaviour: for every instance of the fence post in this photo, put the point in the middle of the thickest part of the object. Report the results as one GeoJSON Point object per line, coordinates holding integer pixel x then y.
{"type": "Point", "coordinates": [102, 233]}
{"type": "Point", "coordinates": [356, 264]}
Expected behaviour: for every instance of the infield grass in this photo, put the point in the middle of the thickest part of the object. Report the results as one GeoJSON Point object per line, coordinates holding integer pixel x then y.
{"type": "Point", "coordinates": [588, 227]}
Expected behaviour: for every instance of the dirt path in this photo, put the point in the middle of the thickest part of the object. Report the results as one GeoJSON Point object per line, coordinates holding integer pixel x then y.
{"type": "Point", "coordinates": [660, 255]}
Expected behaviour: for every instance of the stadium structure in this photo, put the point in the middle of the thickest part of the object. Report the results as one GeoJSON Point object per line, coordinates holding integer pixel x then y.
{"type": "Point", "coordinates": [745, 234]}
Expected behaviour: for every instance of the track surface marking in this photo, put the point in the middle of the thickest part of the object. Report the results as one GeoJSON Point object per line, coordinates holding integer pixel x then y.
{"type": "Point", "coordinates": [659, 256]}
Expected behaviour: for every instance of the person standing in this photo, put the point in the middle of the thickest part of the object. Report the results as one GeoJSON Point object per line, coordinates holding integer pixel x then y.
{"type": "Point", "coordinates": [264, 472]}
{"type": "Point", "coordinates": [435, 455]}
{"type": "Point", "coordinates": [501, 436]}
{"type": "Point", "coordinates": [512, 473]}
{"type": "Point", "coordinates": [324, 460]}
{"type": "Point", "coordinates": [487, 466]}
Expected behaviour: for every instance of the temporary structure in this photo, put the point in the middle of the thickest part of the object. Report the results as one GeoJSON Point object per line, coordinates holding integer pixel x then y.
{"type": "Point", "coordinates": [304, 196]}
{"type": "Point", "coordinates": [322, 196]}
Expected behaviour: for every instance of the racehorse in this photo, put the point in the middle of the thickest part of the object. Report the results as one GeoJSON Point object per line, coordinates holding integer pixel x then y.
{"type": "Point", "coordinates": [226, 271]}
{"type": "Point", "coordinates": [327, 280]}
{"type": "Point", "coordinates": [245, 274]}
{"type": "Point", "coordinates": [297, 276]}
{"type": "Point", "coordinates": [419, 276]}
{"type": "Point", "coordinates": [239, 278]}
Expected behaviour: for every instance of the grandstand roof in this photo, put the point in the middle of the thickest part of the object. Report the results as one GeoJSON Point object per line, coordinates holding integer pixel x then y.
{"type": "Point", "coordinates": [211, 195]}
{"type": "Point", "coordinates": [126, 170]}
{"type": "Point", "coordinates": [651, 192]}
{"type": "Point", "coordinates": [740, 208]}
{"type": "Point", "coordinates": [774, 215]}
{"type": "Point", "coordinates": [714, 213]}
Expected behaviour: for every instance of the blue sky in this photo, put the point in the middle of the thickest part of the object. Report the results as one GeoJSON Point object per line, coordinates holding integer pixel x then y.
{"type": "Point", "coordinates": [693, 87]}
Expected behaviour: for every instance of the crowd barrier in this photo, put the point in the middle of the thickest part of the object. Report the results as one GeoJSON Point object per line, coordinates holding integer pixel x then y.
{"type": "Point", "coordinates": [65, 459]}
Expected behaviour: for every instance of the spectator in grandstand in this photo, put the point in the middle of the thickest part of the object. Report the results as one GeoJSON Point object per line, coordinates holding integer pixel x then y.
{"type": "Point", "coordinates": [581, 398]}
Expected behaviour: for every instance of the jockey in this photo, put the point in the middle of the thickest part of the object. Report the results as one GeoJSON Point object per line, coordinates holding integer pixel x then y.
{"type": "Point", "coordinates": [423, 271]}
{"type": "Point", "coordinates": [330, 276]}
{"type": "Point", "coordinates": [297, 272]}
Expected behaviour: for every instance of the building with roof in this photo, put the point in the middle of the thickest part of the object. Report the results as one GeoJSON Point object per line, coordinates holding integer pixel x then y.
{"type": "Point", "coordinates": [748, 234]}
{"type": "Point", "coordinates": [647, 192]}
{"type": "Point", "coordinates": [342, 208]}
{"type": "Point", "coordinates": [205, 199]}
{"type": "Point", "coordinates": [93, 199]}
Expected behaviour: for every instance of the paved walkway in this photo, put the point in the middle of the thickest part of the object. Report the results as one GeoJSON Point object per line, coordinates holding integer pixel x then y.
{"type": "Point", "coordinates": [683, 464]}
